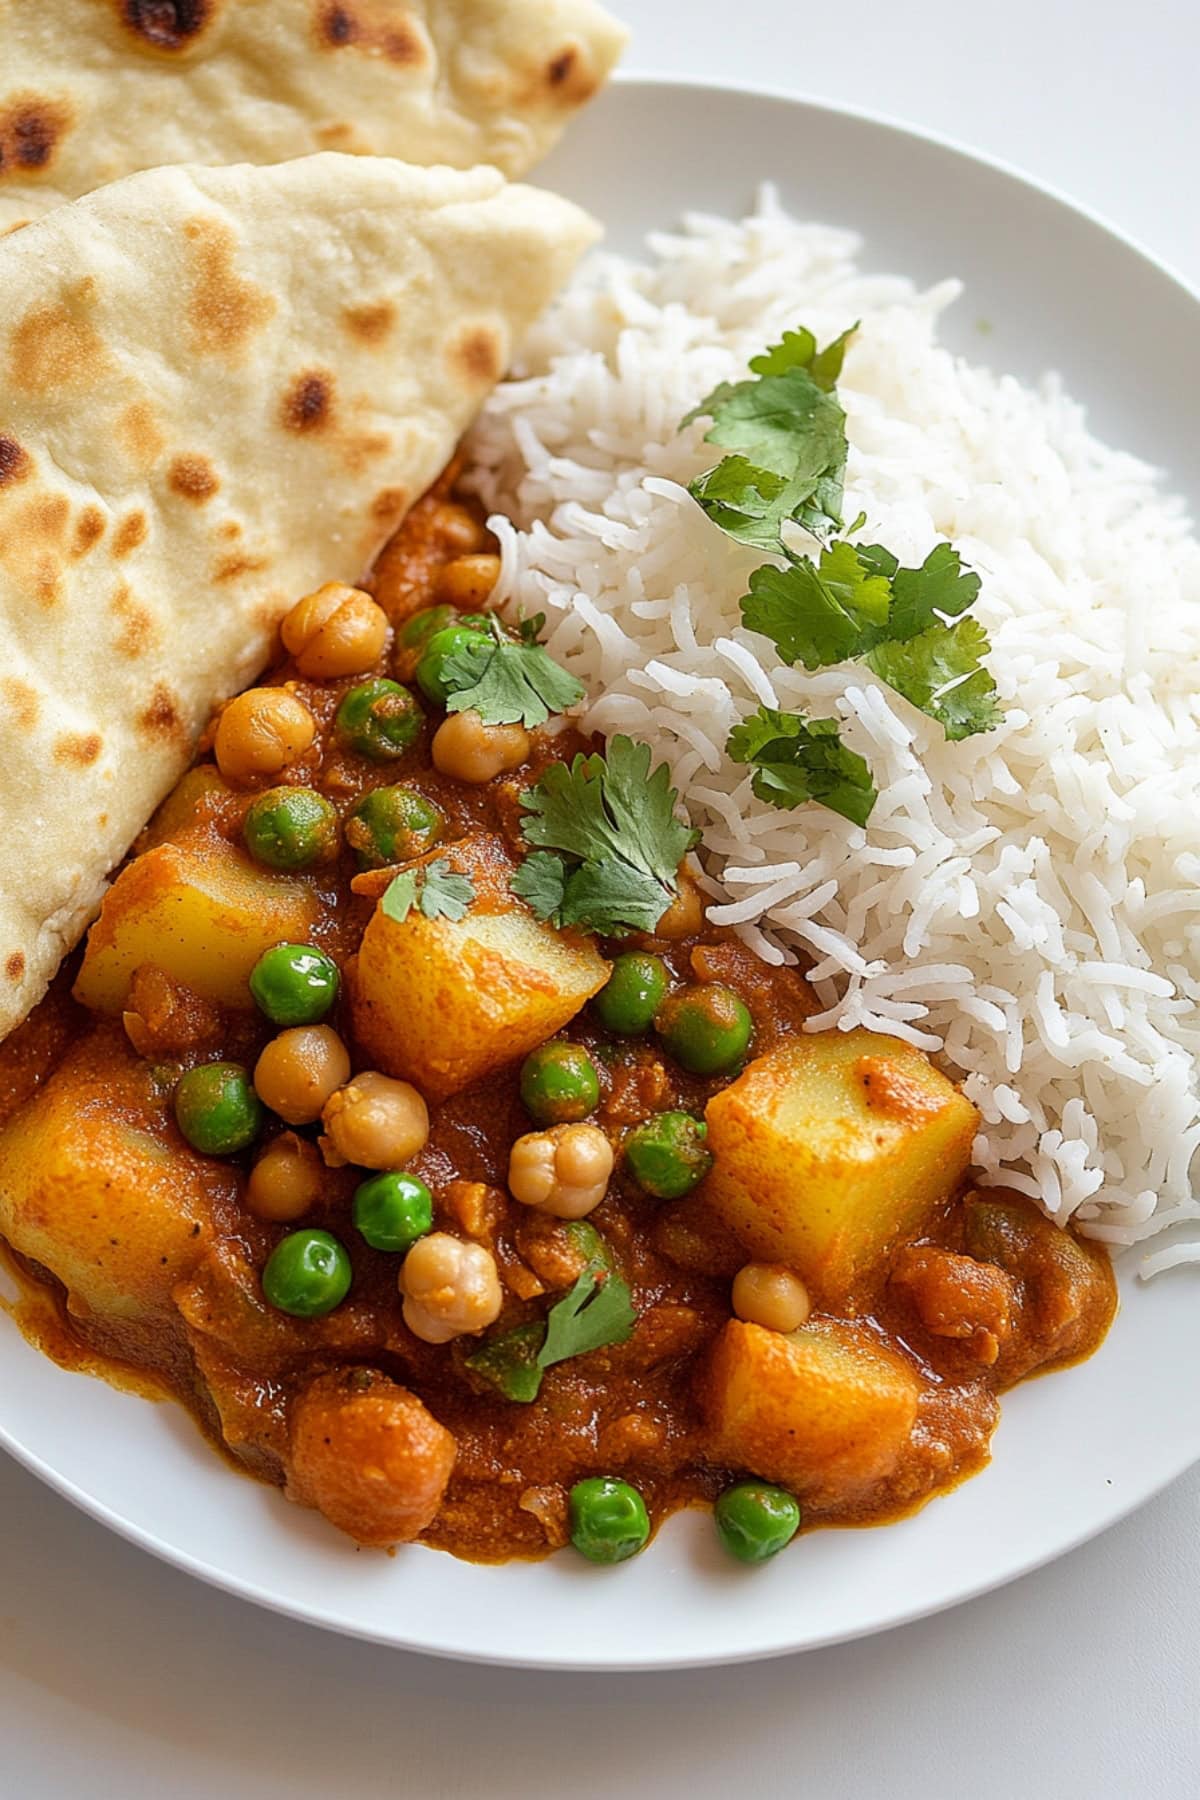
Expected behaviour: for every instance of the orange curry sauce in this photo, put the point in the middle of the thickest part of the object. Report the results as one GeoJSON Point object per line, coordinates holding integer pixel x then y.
{"type": "Point", "coordinates": [636, 1409]}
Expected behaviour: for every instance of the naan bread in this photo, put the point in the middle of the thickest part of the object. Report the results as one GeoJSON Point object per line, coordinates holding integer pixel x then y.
{"type": "Point", "coordinates": [91, 90]}
{"type": "Point", "coordinates": [218, 388]}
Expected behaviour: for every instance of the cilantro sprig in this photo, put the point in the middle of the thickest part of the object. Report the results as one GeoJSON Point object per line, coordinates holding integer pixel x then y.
{"type": "Point", "coordinates": [598, 1311]}
{"type": "Point", "coordinates": [436, 891]}
{"type": "Point", "coordinates": [509, 681]}
{"type": "Point", "coordinates": [606, 842]}
{"type": "Point", "coordinates": [593, 1315]}
{"type": "Point", "coordinates": [788, 433]}
{"type": "Point", "coordinates": [849, 603]}
{"type": "Point", "coordinates": [797, 760]}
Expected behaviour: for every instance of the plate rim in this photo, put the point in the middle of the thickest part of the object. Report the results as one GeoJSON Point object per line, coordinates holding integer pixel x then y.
{"type": "Point", "coordinates": [340, 1623]}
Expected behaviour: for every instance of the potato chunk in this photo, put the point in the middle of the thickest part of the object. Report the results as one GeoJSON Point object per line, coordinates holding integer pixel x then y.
{"type": "Point", "coordinates": [200, 911]}
{"type": "Point", "coordinates": [369, 1455]}
{"type": "Point", "coordinates": [97, 1187]}
{"type": "Point", "coordinates": [442, 1002]}
{"type": "Point", "coordinates": [826, 1410]}
{"type": "Point", "coordinates": [833, 1149]}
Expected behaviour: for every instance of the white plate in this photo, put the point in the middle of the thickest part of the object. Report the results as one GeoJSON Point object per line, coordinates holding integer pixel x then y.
{"type": "Point", "coordinates": [1074, 1453]}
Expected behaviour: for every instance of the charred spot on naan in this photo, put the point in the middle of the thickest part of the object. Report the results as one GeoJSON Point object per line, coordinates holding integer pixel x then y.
{"type": "Point", "coordinates": [33, 545]}
{"type": "Point", "coordinates": [570, 77]}
{"type": "Point", "coordinates": [14, 965]}
{"type": "Point", "coordinates": [193, 477]}
{"type": "Point", "coordinates": [54, 347]}
{"type": "Point", "coordinates": [224, 310]}
{"type": "Point", "coordinates": [389, 505]}
{"type": "Point", "coordinates": [136, 627]}
{"type": "Point", "coordinates": [21, 700]}
{"type": "Point", "coordinates": [371, 322]}
{"type": "Point", "coordinates": [133, 530]}
{"type": "Point", "coordinates": [372, 28]}
{"type": "Point", "coordinates": [162, 720]}
{"type": "Point", "coordinates": [478, 354]}
{"type": "Point", "coordinates": [138, 434]}
{"type": "Point", "coordinates": [78, 748]}
{"type": "Point", "coordinates": [32, 126]}
{"type": "Point", "coordinates": [307, 404]}
{"type": "Point", "coordinates": [169, 26]}
{"type": "Point", "coordinates": [15, 463]}
{"type": "Point", "coordinates": [89, 529]}
{"type": "Point", "coordinates": [237, 564]}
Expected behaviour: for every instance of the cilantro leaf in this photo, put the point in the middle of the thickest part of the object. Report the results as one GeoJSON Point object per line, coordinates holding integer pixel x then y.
{"type": "Point", "coordinates": [941, 671]}
{"type": "Point", "coordinates": [817, 614]}
{"type": "Point", "coordinates": [618, 840]}
{"type": "Point", "coordinates": [788, 435]}
{"type": "Point", "coordinates": [797, 760]}
{"type": "Point", "coordinates": [643, 807]}
{"type": "Point", "coordinates": [509, 1361]}
{"type": "Point", "coordinates": [590, 1317]}
{"type": "Point", "coordinates": [400, 896]}
{"type": "Point", "coordinates": [508, 681]}
{"type": "Point", "coordinates": [445, 895]}
{"type": "Point", "coordinates": [435, 890]}
{"type": "Point", "coordinates": [611, 898]}
{"type": "Point", "coordinates": [798, 350]}
{"type": "Point", "coordinates": [540, 882]}
{"type": "Point", "coordinates": [785, 423]}
{"type": "Point", "coordinates": [748, 503]}
{"type": "Point", "coordinates": [940, 586]}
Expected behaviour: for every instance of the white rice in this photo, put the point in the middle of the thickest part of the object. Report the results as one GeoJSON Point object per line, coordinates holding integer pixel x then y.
{"type": "Point", "coordinates": [1024, 904]}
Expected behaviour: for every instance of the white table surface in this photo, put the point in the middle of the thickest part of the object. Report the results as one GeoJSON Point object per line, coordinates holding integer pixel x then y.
{"type": "Point", "coordinates": [121, 1677]}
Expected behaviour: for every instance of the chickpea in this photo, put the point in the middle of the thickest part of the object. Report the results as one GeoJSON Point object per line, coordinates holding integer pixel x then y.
{"type": "Point", "coordinates": [770, 1295]}
{"type": "Point", "coordinates": [468, 750]}
{"type": "Point", "coordinates": [459, 529]}
{"type": "Point", "coordinates": [467, 582]}
{"type": "Point", "coordinates": [286, 1181]}
{"type": "Point", "coordinates": [563, 1171]}
{"type": "Point", "coordinates": [336, 631]}
{"type": "Point", "coordinates": [685, 915]}
{"type": "Point", "coordinates": [449, 1288]}
{"type": "Point", "coordinates": [299, 1070]}
{"type": "Point", "coordinates": [374, 1121]}
{"type": "Point", "coordinates": [262, 732]}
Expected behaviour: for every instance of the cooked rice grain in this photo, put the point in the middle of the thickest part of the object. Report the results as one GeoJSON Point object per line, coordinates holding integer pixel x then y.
{"type": "Point", "coordinates": [1026, 903]}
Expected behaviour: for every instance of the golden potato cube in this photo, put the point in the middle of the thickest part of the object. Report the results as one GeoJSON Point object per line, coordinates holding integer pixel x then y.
{"type": "Point", "coordinates": [183, 805]}
{"type": "Point", "coordinates": [831, 1150]}
{"type": "Point", "coordinates": [442, 1002]}
{"type": "Point", "coordinates": [202, 912]}
{"type": "Point", "coordinates": [96, 1186]}
{"type": "Point", "coordinates": [827, 1410]}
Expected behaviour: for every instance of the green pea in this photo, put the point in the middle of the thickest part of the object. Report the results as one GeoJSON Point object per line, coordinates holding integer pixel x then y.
{"type": "Point", "coordinates": [293, 984]}
{"type": "Point", "coordinates": [391, 825]}
{"type": "Point", "coordinates": [559, 1084]}
{"type": "Point", "coordinates": [706, 1028]}
{"type": "Point", "coordinates": [393, 1210]}
{"type": "Point", "coordinates": [633, 993]}
{"type": "Point", "coordinates": [291, 828]}
{"type": "Point", "coordinates": [464, 638]}
{"type": "Point", "coordinates": [416, 632]}
{"type": "Point", "coordinates": [217, 1109]}
{"type": "Point", "coordinates": [607, 1519]}
{"type": "Point", "coordinates": [307, 1274]}
{"type": "Point", "coordinates": [592, 1250]}
{"type": "Point", "coordinates": [379, 719]}
{"type": "Point", "coordinates": [755, 1522]}
{"type": "Point", "coordinates": [666, 1155]}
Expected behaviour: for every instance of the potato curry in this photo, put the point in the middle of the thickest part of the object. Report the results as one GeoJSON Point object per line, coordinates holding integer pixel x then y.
{"type": "Point", "coordinates": [409, 1122]}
